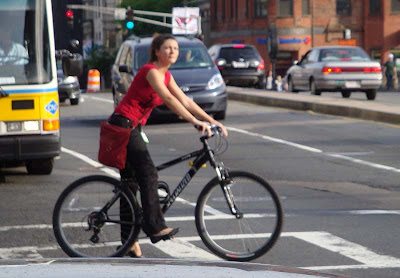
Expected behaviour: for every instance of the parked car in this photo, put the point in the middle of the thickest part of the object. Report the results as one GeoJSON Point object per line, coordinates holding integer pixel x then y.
{"type": "Point", "coordinates": [68, 86]}
{"type": "Point", "coordinates": [239, 64]}
{"type": "Point", "coordinates": [194, 72]}
{"type": "Point", "coordinates": [335, 68]}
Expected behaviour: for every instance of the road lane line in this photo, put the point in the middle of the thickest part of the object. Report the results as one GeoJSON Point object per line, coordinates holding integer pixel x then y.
{"type": "Point", "coordinates": [314, 150]}
{"type": "Point", "coordinates": [99, 99]}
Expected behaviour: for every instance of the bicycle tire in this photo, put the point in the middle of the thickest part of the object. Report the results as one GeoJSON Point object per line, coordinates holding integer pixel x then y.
{"type": "Point", "coordinates": [239, 239]}
{"type": "Point", "coordinates": [74, 207]}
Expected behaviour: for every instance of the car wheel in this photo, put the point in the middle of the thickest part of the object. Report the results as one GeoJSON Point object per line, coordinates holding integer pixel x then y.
{"type": "Point", "coordinates": [314, 90]}
{"type": "Point", "coordinates": [74, 101]}
{"type": "Point", "coordinates": [220, 115]}
{"type": "Point", "coordinates": [40, 166]}
{"type": "Point", "coordinates": [346, 94]}
{"type": "Point", "coordinates": [291, 86]}
{"type": "Point", "coordinates": [262, 83]}
{"type": "Point", "coordinates": [371, 94]}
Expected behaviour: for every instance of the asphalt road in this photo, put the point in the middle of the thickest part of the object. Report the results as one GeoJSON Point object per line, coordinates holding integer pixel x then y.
{"type": "Point", "coordinates": [337, 177]}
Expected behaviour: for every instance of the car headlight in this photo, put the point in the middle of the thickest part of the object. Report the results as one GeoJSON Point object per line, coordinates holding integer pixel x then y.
{"type": "Point", "coordinates": [215, 81]}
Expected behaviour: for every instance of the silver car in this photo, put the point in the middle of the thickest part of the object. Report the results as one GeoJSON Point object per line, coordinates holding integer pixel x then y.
{"type": "Point", "coordinates": [335, 68]}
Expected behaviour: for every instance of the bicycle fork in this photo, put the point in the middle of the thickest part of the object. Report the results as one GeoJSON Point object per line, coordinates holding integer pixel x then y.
{"type": "Point", "coordinates": [226, 183]}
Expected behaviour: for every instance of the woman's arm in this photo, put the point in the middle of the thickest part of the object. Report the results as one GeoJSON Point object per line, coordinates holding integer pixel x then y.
{"type": "Point", "coordinates": [192, 106]}
{"type": "Point", "coordinates": [156, 81]}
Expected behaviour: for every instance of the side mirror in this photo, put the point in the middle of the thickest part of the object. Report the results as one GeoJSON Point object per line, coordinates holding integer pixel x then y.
{"type": "Point", "coordinates": [125, 68]}
{"type": "Point", "coordinates": [73, 46]}
{"type": "Point", "coordinates": [221, 62]}
{"type": "Point", "coordinates": [72, 65]}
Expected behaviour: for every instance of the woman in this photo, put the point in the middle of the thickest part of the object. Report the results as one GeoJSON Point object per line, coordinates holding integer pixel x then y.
{"type": "Point", "coordinates": [152, 86]}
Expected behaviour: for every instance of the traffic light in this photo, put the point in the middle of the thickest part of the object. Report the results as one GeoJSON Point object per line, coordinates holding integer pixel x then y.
{"type": "Point", "coordinates": [129, 18]}
{"type": "Point", "coordinates": [70, 19]}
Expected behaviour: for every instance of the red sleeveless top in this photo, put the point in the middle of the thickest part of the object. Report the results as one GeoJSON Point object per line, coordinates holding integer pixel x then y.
{"type": "Point", "coordinates": [140, 99]}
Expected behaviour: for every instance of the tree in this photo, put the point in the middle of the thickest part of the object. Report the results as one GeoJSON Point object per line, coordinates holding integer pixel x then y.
{"type": "Point", "coordinates": [164, 6]}
{"type": "Point", "coordinates": [102, 60]}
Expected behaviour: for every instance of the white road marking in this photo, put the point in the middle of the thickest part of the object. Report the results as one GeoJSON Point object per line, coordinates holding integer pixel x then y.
{"type": "Point", "coordinates": [99, 99]}
{"type": "Point", "coordinates": [314, 150]}
{"type": "Point", "coordinates": [348, 249]}
{"type": "Point", "coordinates": [181, 247]}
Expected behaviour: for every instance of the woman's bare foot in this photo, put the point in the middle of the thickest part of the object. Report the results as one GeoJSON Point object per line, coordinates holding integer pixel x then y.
{"type": "Point", "coordinates": [136, 250]}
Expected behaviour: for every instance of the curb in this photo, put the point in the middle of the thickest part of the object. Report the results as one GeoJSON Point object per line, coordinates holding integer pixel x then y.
{"type": "Point", "coordinates": [352, 108]}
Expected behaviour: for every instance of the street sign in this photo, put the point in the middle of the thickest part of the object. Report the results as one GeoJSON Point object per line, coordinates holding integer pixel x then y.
{"type": "Point", "coordinates": [119, 13]}
{"type": "Point", "coordinates": [185, 20]}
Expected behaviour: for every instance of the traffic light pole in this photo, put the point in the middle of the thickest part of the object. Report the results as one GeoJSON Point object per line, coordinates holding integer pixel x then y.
{"type": "Point", "coordinates": [121, 14]}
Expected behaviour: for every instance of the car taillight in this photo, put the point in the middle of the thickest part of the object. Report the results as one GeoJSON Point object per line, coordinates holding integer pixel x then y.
{"type": "Point", "coordinates": [219, 67]}
{"type": "Point", "coordinates": [328, 70]}
{"type": "Point", "coordinates": [261, 66]}
{"type": "Point", "coordinates": [238, 46]}
{"type": "Point", "coordinates": [373, 69]}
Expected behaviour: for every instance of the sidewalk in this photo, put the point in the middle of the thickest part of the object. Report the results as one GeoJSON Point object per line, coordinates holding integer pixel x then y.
{"type": "Point", "coordinates": [364, 109]}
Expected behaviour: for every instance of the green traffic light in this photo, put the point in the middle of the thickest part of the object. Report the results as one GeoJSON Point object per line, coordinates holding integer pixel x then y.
{"type": "Point", "coordinates": [130, 25]}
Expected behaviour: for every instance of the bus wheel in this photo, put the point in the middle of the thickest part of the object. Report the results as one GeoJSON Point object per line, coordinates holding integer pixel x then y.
{"type": "Point", "coordinates": [40, 166]}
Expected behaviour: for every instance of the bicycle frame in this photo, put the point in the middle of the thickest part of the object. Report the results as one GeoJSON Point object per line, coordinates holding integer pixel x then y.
{"type": "Point", "coordinates": [201, 157]}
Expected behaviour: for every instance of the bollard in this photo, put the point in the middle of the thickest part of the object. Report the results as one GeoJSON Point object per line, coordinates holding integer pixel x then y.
{"type": "Point", "coordinates": [93, 83]}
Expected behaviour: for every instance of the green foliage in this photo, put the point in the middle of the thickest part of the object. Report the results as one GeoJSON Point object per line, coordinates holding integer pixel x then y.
{"type": "Point", "coordinates": [102, 60]}
{"type": "Point", "coordinates": [164, 6]}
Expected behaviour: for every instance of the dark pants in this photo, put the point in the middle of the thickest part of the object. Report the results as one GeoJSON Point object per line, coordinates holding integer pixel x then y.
{"type": "Point", "coordinates": [141, 173]}
{"type": "Point", "coordinates": [389, 78]}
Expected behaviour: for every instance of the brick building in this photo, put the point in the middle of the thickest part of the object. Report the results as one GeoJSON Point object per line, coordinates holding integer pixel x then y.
{"type": "Point", "coordinates": [302, 24]}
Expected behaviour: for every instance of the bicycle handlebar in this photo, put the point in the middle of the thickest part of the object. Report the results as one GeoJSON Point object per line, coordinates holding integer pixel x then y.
{"type": "Point", "coordinates": [215, 129]}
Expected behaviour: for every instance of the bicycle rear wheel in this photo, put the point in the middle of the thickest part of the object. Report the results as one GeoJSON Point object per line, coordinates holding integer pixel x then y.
{"type": "Point", "coordinates": [245, 238]}
{"type": "Point", "coordinates": [81, 227]}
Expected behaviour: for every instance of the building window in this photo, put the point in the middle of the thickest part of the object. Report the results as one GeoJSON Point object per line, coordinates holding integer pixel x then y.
{"type": "Point", "coordinates": [343, 7]}
{"type": "Point", "coordinates": [236, 9]}
{"type": "Point", "coordinates": [305, 7]}
{"type": "Point", "coordinates": [223, 10]}
{"type": "Point", "coordinates": [395, 6]}
{"type": "Point", "coordinates": [232, 9]}
{"type": "Point", "coordinates": [216, 10]}
{"type": "Point", "coordinates": [285, 8]}
{"type": "Point", "coordinates": [260, 8]}
{"type": "Point", "coordinates": [374, 7]}
{"type": "Point", "coordinates": [247, 9]}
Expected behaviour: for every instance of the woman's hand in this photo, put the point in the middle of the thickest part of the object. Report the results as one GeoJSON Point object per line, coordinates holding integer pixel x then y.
{"type": "Point", "coordinates": [224, 131]}
{"type": "Point", "coordinates": [203, 126]}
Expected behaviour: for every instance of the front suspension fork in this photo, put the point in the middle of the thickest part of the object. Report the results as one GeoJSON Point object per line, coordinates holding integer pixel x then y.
{"type": "Point", "coordinates": [226, 182]}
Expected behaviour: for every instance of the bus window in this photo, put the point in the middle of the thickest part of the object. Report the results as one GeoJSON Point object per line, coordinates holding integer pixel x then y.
{"type": "Point", "coordinates": [24, 43]}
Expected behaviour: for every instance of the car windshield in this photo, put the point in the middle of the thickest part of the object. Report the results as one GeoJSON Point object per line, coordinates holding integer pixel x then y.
{"type": "Point", "coordinates": [24, 43]}
{"type": "Point", "coordinates": [343, 54]}
{"type": "Point", "coordinates": [234, 54]}
{"type": "Point", "coordinates": [190, 56]}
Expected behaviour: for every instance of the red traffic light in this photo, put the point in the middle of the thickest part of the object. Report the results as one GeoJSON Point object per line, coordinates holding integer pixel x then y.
{"type": "Point", "coordinates": [69, 14]}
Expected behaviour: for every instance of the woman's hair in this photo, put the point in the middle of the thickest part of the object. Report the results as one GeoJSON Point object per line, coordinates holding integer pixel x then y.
{"type": "Point", "coordinates": [156, 44]}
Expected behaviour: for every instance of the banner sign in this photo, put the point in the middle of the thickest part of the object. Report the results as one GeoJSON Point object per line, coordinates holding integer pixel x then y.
{"type": "Point", "coordinates": [185, 20]}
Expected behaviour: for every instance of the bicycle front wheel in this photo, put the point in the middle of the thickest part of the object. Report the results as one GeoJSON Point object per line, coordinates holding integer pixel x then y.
{"type": "Point", "coordinates": [249, 235]}
{"type": "Point", "coordinates": [92, 215]}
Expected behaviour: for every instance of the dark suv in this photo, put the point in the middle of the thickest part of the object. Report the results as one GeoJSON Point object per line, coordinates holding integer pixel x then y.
{"type": "Point", "coordinates": [194, 72]}
{"type": "Point", "coordinates": [239, 64]}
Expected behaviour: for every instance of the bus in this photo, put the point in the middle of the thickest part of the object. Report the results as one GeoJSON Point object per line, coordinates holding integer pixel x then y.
{"type": "Point", "coordinates": [29, 104]}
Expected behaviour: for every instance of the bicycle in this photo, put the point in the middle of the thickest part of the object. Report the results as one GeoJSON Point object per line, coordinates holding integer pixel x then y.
{"type": "Point", "coordinates": [87, 218]}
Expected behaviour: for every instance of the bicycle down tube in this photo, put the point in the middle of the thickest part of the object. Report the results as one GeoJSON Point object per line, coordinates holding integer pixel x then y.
{"type": "Point", "coordinates": [202, 156]}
